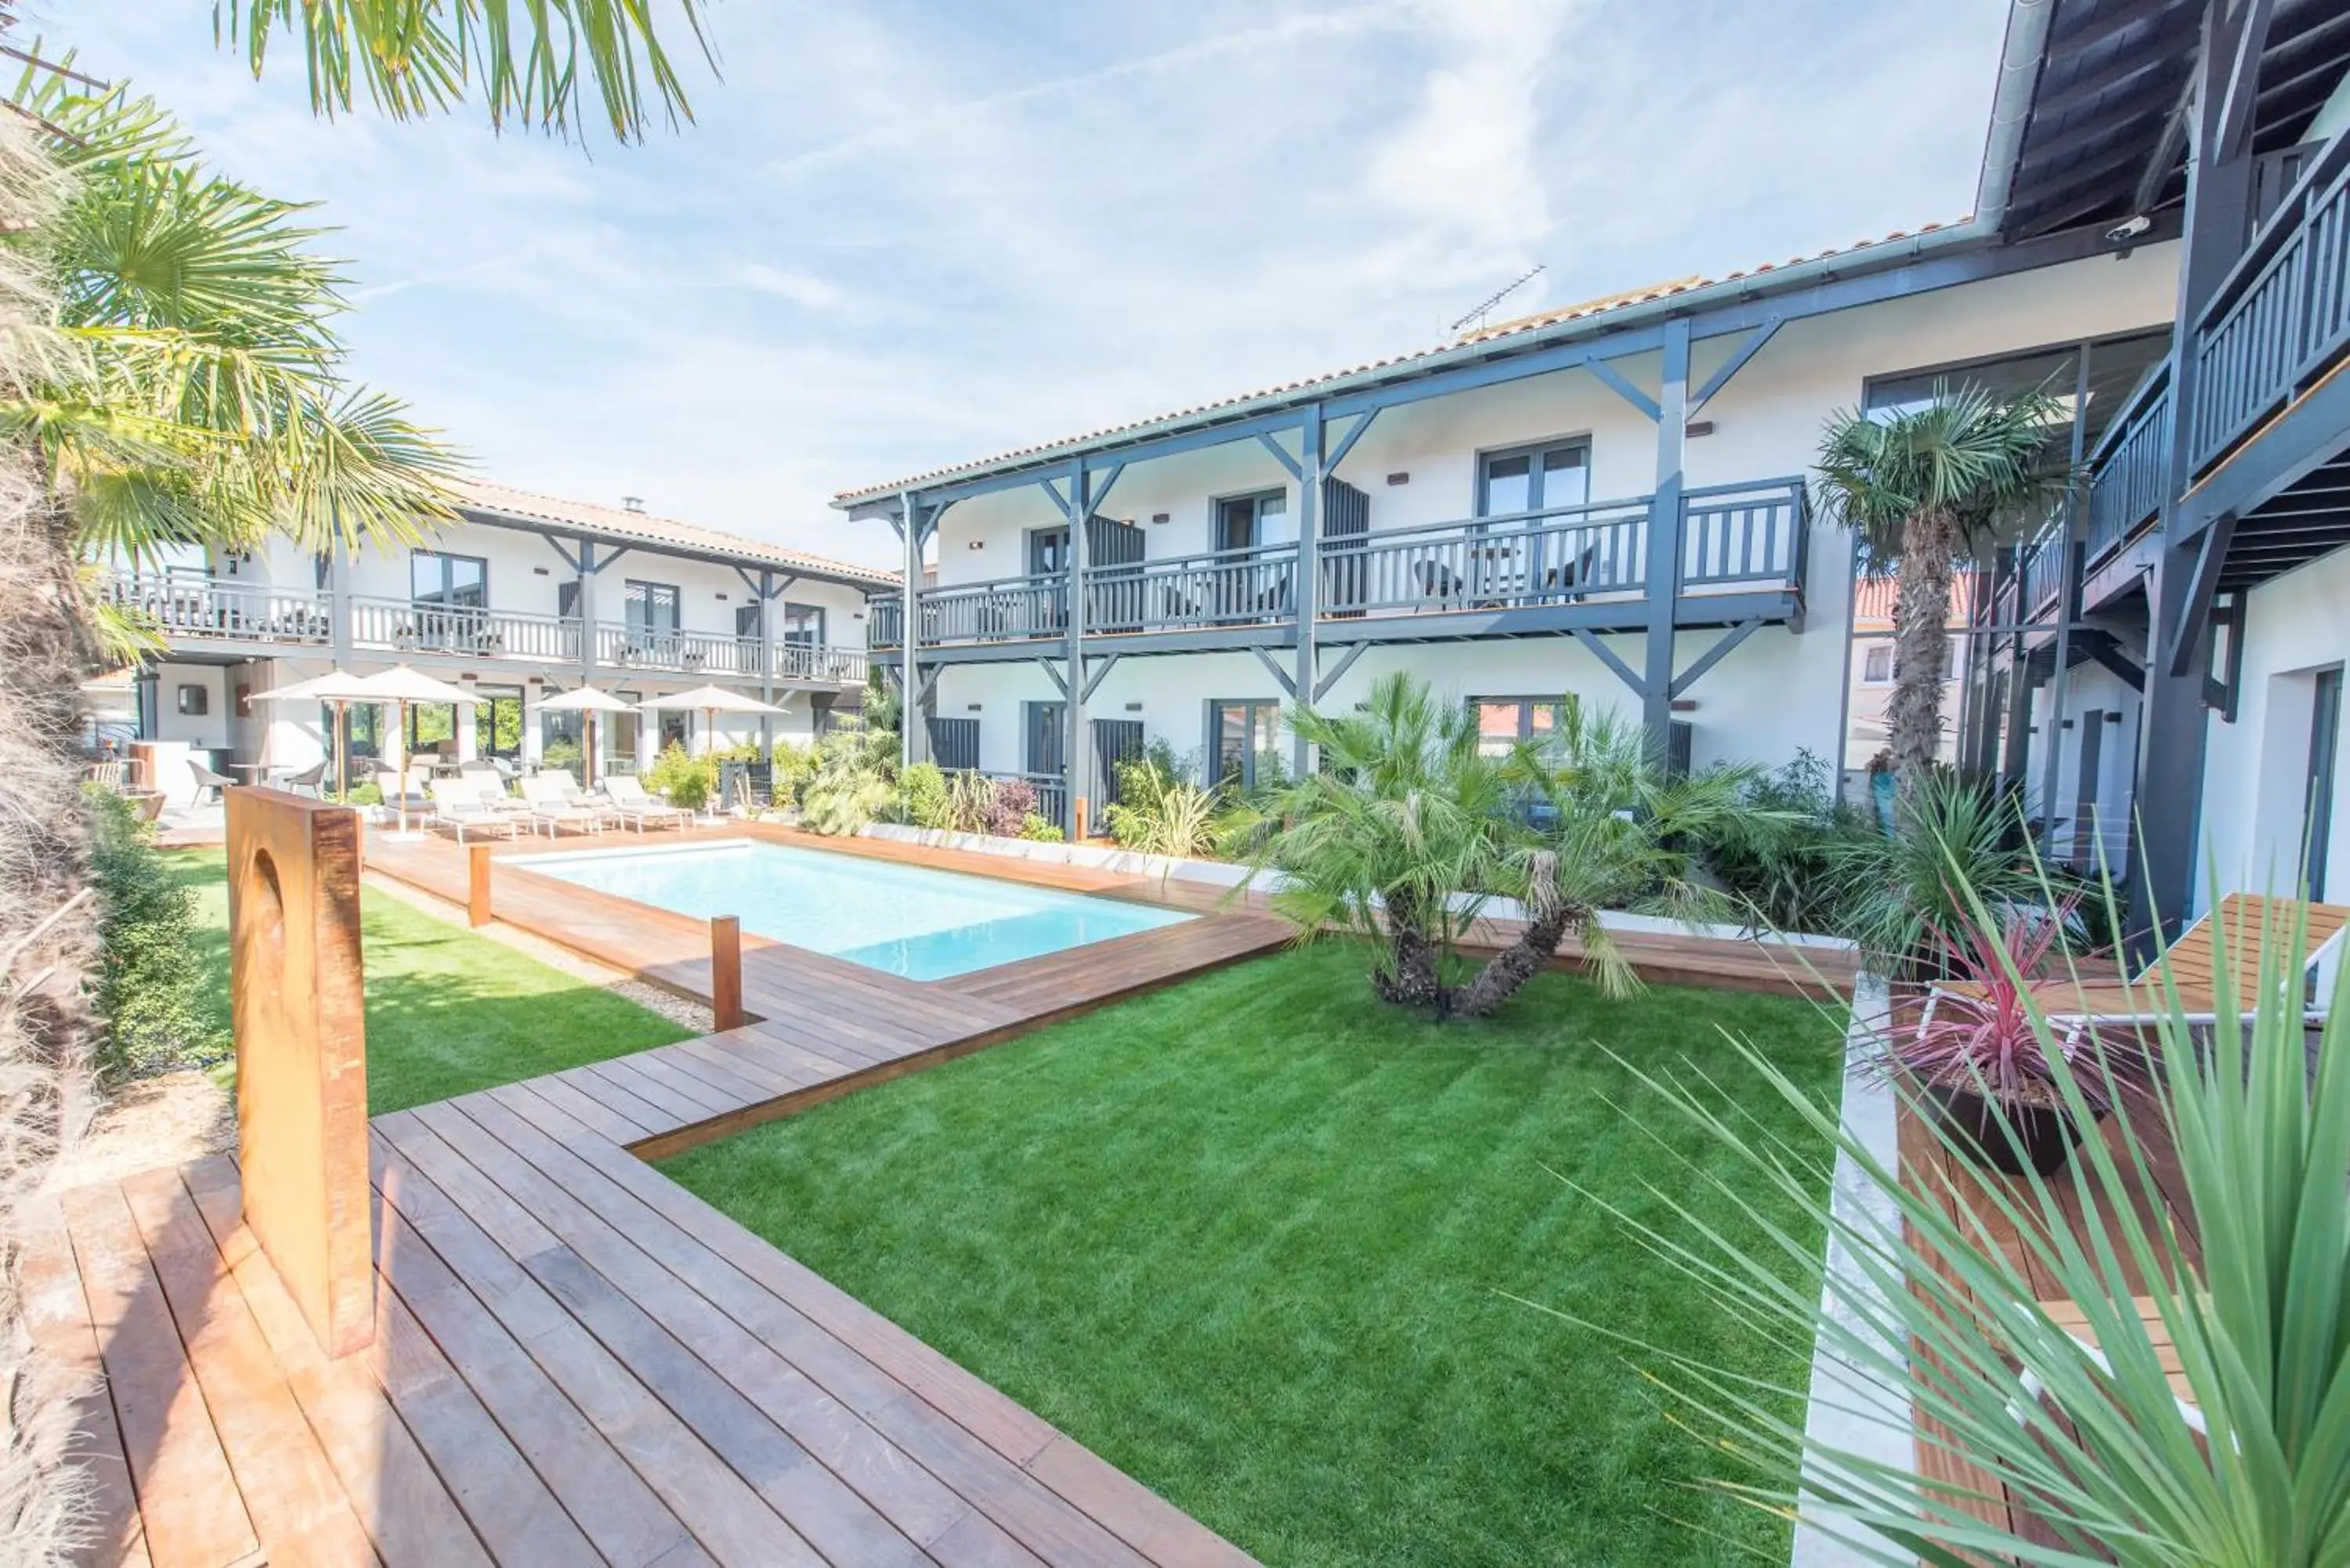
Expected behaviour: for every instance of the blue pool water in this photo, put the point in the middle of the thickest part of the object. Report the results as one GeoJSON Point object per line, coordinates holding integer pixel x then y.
{"type": "Point", "coordinates": [922, 924]}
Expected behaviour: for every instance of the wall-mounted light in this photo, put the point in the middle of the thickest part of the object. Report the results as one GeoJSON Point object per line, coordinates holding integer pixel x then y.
{"type": "Point", "coordinates": [974, 707]}
{"type": "Point", "coordinates": [722, 598]}
{"type": "Point", "coordinates": [1684, 704]}
{"type": "Point", "coordinates": [1133, 707]}
{"type": "Point", "coordinates": [538, 571]}
{"type": "Point", "coordinates": [1697, 427]}
{"type": "Point", "coordinates": [1159, 517]}
{"type": "Point", "coordinates": [976, 545]}
{"type": "Point", "coordinates": [1400, 477]}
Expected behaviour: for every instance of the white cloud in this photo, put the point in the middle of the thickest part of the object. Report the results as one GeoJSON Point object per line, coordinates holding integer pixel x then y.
{"type": "Point", "coordinates": [894, 241]}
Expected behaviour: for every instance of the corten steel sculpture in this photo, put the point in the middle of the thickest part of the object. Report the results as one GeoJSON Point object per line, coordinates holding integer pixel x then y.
{"type": "Point", "coordinates": [301, 1054]}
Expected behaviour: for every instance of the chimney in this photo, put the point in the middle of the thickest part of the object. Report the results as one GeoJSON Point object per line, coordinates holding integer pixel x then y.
{"type": "Point", "coordinates": [632, 503]}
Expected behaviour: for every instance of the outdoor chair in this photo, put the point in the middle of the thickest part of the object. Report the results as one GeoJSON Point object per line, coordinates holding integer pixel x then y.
{"type": "Point", "coordinates": [2188, 969]}
{"type": "Point", "coordinates": [546, 801]}
{"type": "Point", "coordinates": [493, 790]}
{"type": "Point", "coordinates": [208, 780]}
{"type": "Point", "coordinates": [458, 806]}
{"type": "Point", "coordinates": [387, 784]}
{"type": "Point", "coordinates": [108, 775]}
{"type": "Point", "coordinates": [312, 779]}
{"type": "Point", "coordinates": [639, 809]}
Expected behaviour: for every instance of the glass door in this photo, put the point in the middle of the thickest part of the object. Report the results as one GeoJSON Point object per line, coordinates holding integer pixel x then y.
{"type": "Point", "coordinates": [2324, 740]}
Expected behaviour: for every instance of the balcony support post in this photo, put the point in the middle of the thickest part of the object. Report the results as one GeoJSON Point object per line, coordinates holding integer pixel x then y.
{"type": "Point", "coordinates": [766, 660]}
{"type": "Point", "coordinates": [339, 599]}
{"type": "Point", "coordinates": [2173, 722]}
{"type": "Point", "coordinates": [1312, 469]}
{"type": "Point", "coordinates": [1664, 550]}
{"type": "Point", "coordinates": [1077, 753]}
{"type": "Point", "coordinates": [587, 608]}
{"type": "Point", "coordinates": [2068, 589]}
{"type": "Point", "coordinates": [913, 734]}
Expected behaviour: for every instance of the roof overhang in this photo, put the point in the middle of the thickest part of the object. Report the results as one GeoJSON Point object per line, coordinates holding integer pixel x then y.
{"type": "Point", "coordinates": [750, 560]}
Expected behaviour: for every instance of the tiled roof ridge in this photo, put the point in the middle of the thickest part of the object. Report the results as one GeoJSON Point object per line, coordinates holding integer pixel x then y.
{"type": "Point", "coordinates": [1582, 311]}
{"type": "Point", "coordinates": [652, 527]}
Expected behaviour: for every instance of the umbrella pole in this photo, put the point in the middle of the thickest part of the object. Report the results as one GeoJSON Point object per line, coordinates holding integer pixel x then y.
{"type": "Point", "coordinates": [587, 758]}
{"type": "Point", "coordinates": [400, 719]}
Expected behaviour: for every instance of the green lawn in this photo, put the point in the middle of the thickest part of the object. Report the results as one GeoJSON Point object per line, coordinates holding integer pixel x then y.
{"type": "Point", "coordinates": [447, 1012]}
{"type": "Point", "coordinates": [1249, 1238]}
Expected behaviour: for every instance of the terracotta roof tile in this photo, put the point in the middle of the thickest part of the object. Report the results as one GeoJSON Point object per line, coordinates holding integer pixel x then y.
{"type": "Point", "coordinates": [1584, 311]}
{"type": "Point", "coordinates": [648, 528]}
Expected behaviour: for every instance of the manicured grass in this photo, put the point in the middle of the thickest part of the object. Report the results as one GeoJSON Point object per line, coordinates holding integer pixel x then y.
{"type": "Point", "coordinates": [447, 1012]}
{"type": "Point", "coordinates": [1249, 1238]}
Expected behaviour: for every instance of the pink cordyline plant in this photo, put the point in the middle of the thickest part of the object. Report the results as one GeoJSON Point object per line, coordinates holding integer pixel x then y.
{"type": "Point", "coordinates": [1979, 1031]}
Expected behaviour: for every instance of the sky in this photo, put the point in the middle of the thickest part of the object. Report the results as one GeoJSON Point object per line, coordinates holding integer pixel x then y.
{"type": "Point", "coordinates": [899, 235]}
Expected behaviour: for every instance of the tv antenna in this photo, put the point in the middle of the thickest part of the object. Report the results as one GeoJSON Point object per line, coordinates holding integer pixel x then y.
{"type": "Point", "coordinates": [1476, 319]}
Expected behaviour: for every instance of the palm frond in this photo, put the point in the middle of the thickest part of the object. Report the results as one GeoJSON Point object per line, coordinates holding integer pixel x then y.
{"type": "Point", "coordinates": [537, 63]}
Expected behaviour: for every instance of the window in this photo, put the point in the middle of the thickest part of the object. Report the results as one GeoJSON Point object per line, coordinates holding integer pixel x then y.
{"type": "Point", "coordinates": [432, 727]}
{"type": "Point", "coordinates": [1534, 479]}
{"type": "Point", "coordinates": [804, 623]}
{"type": "Point", "coordinates": [652, 607]}
{"type": "Point", "coordinates": [457, 581]}
{"type": "Point", "coordinates": [1246, 738]}
{"type": "Point", "coordinates": [1502, 721]}
{"type": "Point", "coordinates": [1876, 666]}
{"type": "Point", "coordinates": [364, 739]}
{"type": "Point", "coordinates": [497, 724]}
{"type": "Point", "coordinates": [195, 702]}
{"type": "Point", "coordinates": [1048, 551]}
{"type": "Point", "coordinates": [746, 621]}
{"type": "Point", "coordinates": [1043, 741]}
{"type": "Point", "coordinates": [567, 599]}
{"type": "Point", "coordinates": [1253, 520]}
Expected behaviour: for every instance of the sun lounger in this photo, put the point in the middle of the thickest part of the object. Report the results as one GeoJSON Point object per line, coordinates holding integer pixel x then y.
{"type": "Point", "coordinates": [546, 801]}
{"type": "Point", "coordinates": [640, 810]}
{"type": "Point", "coordinates": [459, 807]}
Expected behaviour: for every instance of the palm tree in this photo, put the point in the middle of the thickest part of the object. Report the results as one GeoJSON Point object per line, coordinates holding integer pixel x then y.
{"type": "Point", "coordinates": [1410, 831]}
{"type": "Point", "coordinates": [1920, 487]}
{"type": "Point", "coordinates": [534, 62]}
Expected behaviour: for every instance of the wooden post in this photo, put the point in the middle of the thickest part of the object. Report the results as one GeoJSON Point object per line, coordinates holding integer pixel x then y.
{"type": "Point", "coordinates": [1078, 816]}
{"type": "Point", "coordinates": [726, 972]}
{"type": "Point", "coordinates": [477, 885]}
{"type": "Point", "coordinates": [301, 1054]}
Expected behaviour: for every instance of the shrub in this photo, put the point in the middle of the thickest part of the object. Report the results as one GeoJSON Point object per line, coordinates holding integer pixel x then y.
{"type": "Point", "coordinates": [151, 983]}
{"type": "Point", "coordinates": [686, 781]}
{"type": "Point", "coordinates": [1895, 889]}
{"type": "Point", "coordinates": [368, 794]}
{"type": "Point", "coordinates": [922, 796]}
{"type": "Point", "coordinates": [1157, 814]}
{"type": "Point", "coordinates": [794, 765]}
{"type": "Point", "coordinates": [854, 779]}
{"type": "Point", "coordinates": [1011, 802]}
{"type": "Point", "coordinates": [1779, 855]}
{"type": "Point", "coordinates": [1040, 830]}
{"type": "Point", "coordinates": [562, 753]}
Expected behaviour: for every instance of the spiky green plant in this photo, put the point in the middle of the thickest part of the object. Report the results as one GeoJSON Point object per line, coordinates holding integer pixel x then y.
{"type": "Point", "coordinates": [1409, 832]}
{"type": "Point", "coordinates": [1893, 889]}
{"type": "Point", "coordinates": [2249, 1470]}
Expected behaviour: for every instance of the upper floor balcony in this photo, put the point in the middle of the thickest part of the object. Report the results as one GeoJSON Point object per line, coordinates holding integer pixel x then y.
{"type": "Point", "coordinates": [1741, 558]}
{"type": "Point", "coordinates": [227, 614]}
{"type": "Point", "coordinates": [2267, 405]}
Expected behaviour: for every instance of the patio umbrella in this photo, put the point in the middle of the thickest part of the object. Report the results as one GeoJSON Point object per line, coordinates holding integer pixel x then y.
{"type": "Point", "coordinates": [712, 700]}
{"type": "Point", "coordinates": [399, 686]}
{"type": "Point", "coordinates": [589, 700]}
{"type": "Point", "coordinates": [339, 687]}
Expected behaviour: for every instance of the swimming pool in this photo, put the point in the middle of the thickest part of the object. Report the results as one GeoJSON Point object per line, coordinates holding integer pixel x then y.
{"type": "Point", "coordinates": [904, 920]}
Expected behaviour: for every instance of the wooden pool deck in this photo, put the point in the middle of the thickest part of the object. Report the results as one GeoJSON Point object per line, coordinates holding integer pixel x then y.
{"type": "Point", "coordinates": [575, 1360]}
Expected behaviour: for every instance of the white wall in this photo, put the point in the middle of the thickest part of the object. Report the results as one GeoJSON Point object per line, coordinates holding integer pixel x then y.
{"type": "Point", "coordinates": [1779, 691]}
{"type": "Point", "coordinates": [2255, 770]}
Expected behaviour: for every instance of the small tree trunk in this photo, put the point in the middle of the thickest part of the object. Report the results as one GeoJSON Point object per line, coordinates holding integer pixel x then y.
{"type": "Point", "coordinates": [1507, 971]}
{"type": "Point", "coordinates": [1417, 980]}
{"type": "Point", "coordinates": [1921, 644]}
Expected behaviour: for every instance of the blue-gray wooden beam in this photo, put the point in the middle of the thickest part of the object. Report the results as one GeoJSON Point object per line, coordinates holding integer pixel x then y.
{"type": "Point", "coordinates": [1077, 756]}
{"type": "Point", "coordinates": [1614, 380]}
{"type": "Point", "coordinates": [1100, 672]}
{"type": "Point", "coordinates": [586, 561]}
{"type": "Point", "coordinates": [1714, 655]}
{"type": "Point", "coordinates": [1664, 533]}
{"type": "Point", "coordinates": [2169, 785]}
{"type": "Point", "coordinates": [2067, 605]}
{"type": "Point", "coordinates": [913, 734]}
{"type": "Point", "coordinates": [1746, 350]}
{"type": "Point", "coordinates": [1281, 678]}
{"type": "Point", "coordinates": [1607, 656]}
{"type": "Point", "coordinates": [1336, 673]}
{"type": "Point", "coordinates": [1312, 469]}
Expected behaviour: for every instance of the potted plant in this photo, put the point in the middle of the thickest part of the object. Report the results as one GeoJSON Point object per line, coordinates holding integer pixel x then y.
{"type": "Point", "coordinates": [1980, 1058]}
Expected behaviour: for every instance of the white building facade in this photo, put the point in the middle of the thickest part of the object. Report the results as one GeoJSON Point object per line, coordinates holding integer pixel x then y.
{"type": "Point", "coordinates": [519, 598]}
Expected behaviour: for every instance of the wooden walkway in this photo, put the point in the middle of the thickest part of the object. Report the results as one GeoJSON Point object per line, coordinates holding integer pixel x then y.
{"type": "Point", "coordinates": [575, 1360]}
{"type": "Point", "coordinates": [1964, 1190]}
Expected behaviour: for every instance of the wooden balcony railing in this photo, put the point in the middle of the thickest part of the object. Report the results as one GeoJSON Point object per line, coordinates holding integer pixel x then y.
{"type": "Point", "coordinates": [2282, 318]}
{"type": "Point", "coordinates": [178, 604]}
{"type": "Point", "coordinates": [1223, 589]}
{"type": "Point", "coordinates": [2043, 571]}
{"type": "Point", "coordinates": [2131, 467]}
{"type": "Point", "coordinates": [1749, 537]}
{"type": "Point", "coordinates": [401, 626]}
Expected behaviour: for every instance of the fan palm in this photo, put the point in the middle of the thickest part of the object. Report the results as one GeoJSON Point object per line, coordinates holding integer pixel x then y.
{"type": "Point", "coordinates": [198, 399]}
{"type": "Point", "coordinates": [1919, 487]}
{"type": "Point", "coordinates": [535, 62]}
{"type": "Point", "coordinates": [1410, 831]}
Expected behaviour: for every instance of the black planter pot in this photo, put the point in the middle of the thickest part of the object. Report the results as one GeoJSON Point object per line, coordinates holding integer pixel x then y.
{"type": "Point", "coordinates": [2046, 1133]}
